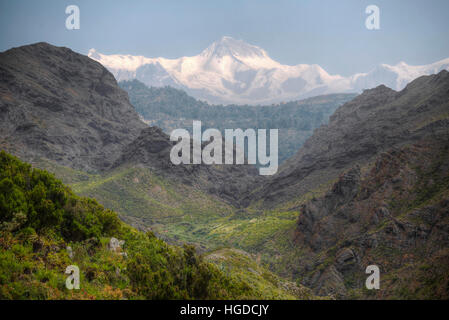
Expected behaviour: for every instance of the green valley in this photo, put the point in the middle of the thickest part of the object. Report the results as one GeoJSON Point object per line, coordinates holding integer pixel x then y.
{"type": "Point", "coordinates": [41, 218]}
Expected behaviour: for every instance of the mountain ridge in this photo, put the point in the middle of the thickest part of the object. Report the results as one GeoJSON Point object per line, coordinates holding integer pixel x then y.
{"type": "Point", "coordinates": [360, 129]}
{"type": "Point", "coordinates": [232, 71]}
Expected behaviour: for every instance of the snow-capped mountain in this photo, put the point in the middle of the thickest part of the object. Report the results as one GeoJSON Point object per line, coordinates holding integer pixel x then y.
{"type": "Point", "coordinates": [233, 71]}
{"type": "Point", "coordinates": [395, 77]}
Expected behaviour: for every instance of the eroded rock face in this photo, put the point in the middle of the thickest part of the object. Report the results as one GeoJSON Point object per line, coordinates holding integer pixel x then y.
{"type": "Point", "coordinates": [318, 232]}
{"type": "Point", "coordinates": [115, 244]}
{"type": "Point", "coordinates": [346, 259]}
{"type": "Point", "coordinates": [396, 214]}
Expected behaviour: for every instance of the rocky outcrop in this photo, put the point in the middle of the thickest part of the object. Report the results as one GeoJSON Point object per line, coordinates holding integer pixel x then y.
{"type": "Point", "coordinates": [115, 245]}
{"type": "Point", "coordinates": [394, 215]}
{"type": "Point", "coordinates": [318, 234]}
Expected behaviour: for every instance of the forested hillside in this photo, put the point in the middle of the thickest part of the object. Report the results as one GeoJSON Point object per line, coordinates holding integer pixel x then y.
{"type": "Point", "coordinates": [170, 108]}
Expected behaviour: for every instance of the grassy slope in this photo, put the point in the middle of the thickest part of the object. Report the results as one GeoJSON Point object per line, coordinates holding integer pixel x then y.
{"type": "Point", "coordinates": [33, 257]}
{"type": "Point", "coordinates": [244, 267]}
{"type": "Point", "coordinates": [181, 214]}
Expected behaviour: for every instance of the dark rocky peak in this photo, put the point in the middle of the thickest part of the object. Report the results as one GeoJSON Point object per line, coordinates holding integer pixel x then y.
{"type": "Point", "coordinates": [363, 105]}
{"type": "Point", "coordinates": [432, 81]}
{"type": "Point", "coordinates": [381, 89]}
{"type": "Point", "coordinates": [64, 106]}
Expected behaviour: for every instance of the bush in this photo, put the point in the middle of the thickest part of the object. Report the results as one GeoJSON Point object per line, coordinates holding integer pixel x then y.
{"type": "Point", "coordinates": [48, 206]}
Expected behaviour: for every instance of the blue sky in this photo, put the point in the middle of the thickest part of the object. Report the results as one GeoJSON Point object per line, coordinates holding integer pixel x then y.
{"type": "Point", "coordinates": [326, 32]}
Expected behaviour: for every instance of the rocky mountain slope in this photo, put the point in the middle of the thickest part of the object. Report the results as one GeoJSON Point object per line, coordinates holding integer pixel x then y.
{"type": "Point", "coordinates": [371, 187]}
{"type": "Point", "coordinates": [58, 104]}
{"type": "Point", "coordinates": [395, 216]}
{"type": "Point", "coordinates": [233, 71]}
{"type": "Point", "coordinates": [358, 131]}
{"type": "Point", "coordinates": [63, 111]}
{"type": "Point", "coordinates": [152, 148]}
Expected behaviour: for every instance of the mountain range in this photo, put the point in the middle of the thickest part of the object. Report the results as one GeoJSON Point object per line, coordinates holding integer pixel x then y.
{"type": "Point", "coordinates": [233, 71]}
{"type": "Point", "coordinates": [369, 186]}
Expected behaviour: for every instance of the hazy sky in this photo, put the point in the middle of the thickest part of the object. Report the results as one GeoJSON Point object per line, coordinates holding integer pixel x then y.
{"type": "Point", "coordinates": [328, 32]}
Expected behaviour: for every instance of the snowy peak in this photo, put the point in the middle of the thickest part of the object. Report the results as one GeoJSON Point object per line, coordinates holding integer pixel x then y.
{"type": "Point", "coordinates": [228, 46]}
{"type": "Point", "coordinates": [233, 71]}
{"type": "Point", "coordinates": [229, 55]}
{"type": "Point", "coordinates": [395, 76]}
{"type": "Point", "coordinates": [118, 61]}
